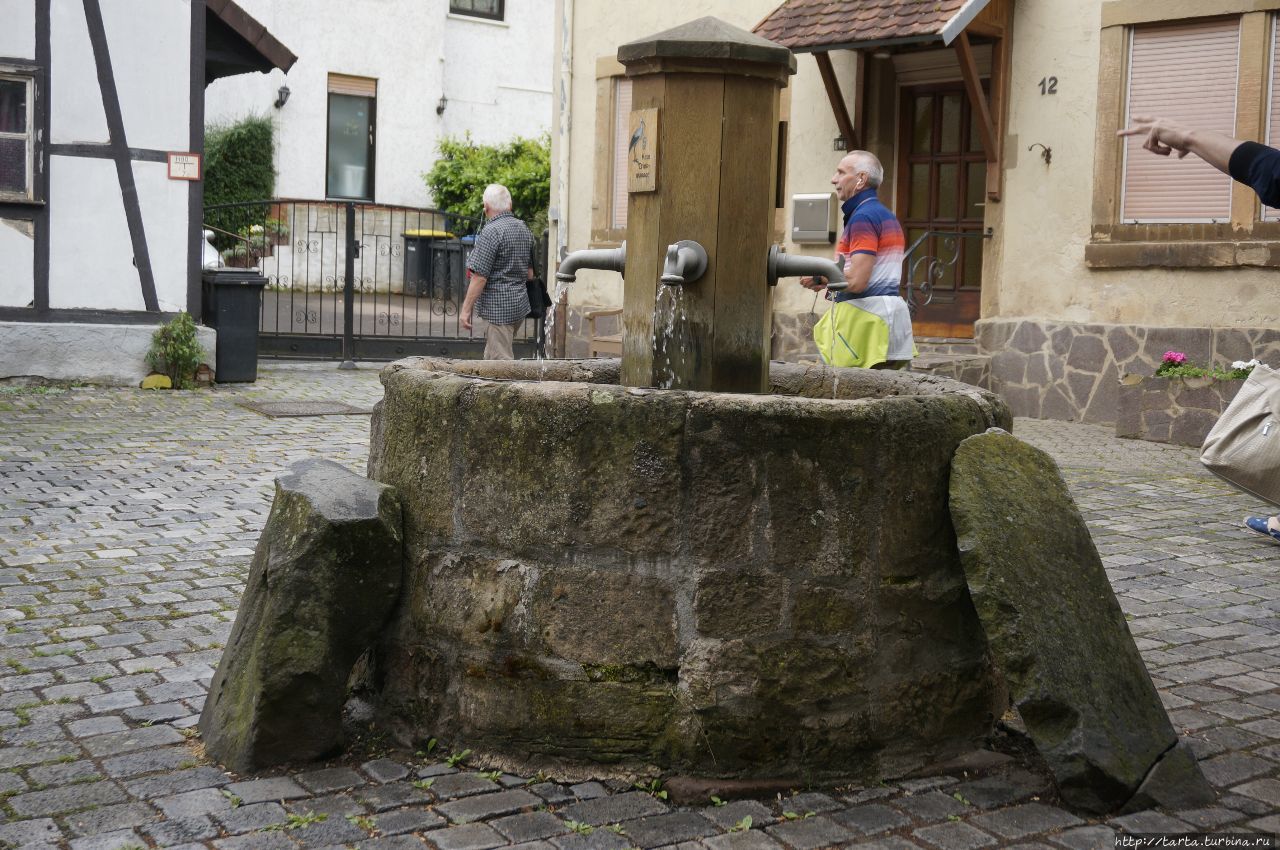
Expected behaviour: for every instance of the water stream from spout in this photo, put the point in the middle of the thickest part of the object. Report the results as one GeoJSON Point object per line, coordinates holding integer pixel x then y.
{"type": "Point", "coordinates": [549, 324]}
{"type": "Point", "coordinates": [670, 320]}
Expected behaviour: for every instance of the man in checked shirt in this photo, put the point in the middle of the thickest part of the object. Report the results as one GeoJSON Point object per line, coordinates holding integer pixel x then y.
{"type": "Point", "coordinates": [499, 265]}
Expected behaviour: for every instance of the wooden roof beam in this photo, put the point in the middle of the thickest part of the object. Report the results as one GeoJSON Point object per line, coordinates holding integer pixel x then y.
{"type": "Point", "coordinates": [977, 99]}
{"type": "Point", "coordinates": [832, 85]}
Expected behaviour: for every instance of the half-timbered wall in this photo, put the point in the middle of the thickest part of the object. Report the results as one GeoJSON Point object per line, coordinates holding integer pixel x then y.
{"type": "Point", "coordinates": [106, 233]}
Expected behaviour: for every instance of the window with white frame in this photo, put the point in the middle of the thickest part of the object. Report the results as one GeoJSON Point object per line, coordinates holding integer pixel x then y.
{"type": "Point", "coordinates": [17, 136]}
{"type": "Point", "coordinates": [491, 9]}
{"type": "Point", "coordinates": [1187, 73]}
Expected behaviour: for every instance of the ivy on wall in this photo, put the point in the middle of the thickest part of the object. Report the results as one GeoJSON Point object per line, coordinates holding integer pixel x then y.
{"type": "Point", "coordinates": [238, 167]}
{"type": "Point", "coordinates": [458, 178]}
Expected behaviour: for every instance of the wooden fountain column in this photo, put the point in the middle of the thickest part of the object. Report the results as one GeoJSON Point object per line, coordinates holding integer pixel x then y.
{"type": "Point", "coordinates": [703, 168]}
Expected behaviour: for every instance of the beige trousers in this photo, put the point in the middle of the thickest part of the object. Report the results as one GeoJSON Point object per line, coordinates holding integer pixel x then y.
{"type": "Point", "coordinates": [499, 340]}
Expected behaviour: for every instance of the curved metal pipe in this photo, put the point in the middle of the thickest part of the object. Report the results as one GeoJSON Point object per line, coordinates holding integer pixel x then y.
{"type": "Point", "coordinates": [605, 259]}
{"type": "Point", "coordinates": [789, 265]}
{"type": "Point", "coordinates": [686, 262]}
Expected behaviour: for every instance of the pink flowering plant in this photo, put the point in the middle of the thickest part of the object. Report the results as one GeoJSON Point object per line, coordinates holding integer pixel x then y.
{"type": "Point", "coordinates": [1174, 365]}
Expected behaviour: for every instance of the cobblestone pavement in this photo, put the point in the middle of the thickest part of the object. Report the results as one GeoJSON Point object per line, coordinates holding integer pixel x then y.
{"type": "Point", "coordinates": [127, 521]}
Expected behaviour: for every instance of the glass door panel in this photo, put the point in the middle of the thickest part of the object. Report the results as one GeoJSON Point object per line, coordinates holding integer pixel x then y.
{"type": "Point", "coordinates": [350, 172]}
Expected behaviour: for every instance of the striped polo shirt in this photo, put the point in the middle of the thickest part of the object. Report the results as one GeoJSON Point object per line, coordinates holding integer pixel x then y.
{"type": "Point", "coordinates": [870, 228]}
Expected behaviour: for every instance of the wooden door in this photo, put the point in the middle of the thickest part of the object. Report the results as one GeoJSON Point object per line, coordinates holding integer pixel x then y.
{"type": "Point", "coordinates": [942, 172]}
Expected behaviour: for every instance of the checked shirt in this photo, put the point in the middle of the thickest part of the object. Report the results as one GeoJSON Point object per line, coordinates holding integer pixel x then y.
{"type": "Point", "coordinates": [502, 254]}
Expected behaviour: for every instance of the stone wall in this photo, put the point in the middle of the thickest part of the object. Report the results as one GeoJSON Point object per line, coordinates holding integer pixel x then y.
{"type": "Point", "coordinates": [1172, 410]}
{"type": "Point", "coordinates": [1063, 370]}
{"type": "Point", "coordinates": [734, 585]}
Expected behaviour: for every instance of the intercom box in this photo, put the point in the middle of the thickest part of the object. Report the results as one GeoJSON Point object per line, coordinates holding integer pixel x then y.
{"type": "Point", "coordinates": [813, 219]}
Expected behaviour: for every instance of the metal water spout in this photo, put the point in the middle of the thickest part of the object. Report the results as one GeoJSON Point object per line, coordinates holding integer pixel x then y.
{"type": "Point", "coordinates": [604, 259]}
{"type": "Point", "coordinates": [788, 265]}
{"type": "Point", "coordinates": [686, 262]}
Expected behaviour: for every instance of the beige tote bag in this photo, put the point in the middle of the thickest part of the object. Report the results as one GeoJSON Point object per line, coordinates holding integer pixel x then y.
{"type": "Point", "coordinates": [1244, 446]}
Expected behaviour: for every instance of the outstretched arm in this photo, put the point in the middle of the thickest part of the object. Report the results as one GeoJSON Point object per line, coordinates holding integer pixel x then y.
{"type": "Point", "coordinates": [1164, 138]}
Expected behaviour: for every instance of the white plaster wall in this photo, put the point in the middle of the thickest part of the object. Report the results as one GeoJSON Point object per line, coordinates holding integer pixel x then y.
{"type": "Point", "coordinates": [90, 253]}
{"type": "Point", "coordinates": [1045, 222]}
{"type": "Point", "coordinates": [597, 30]}
{"type": "Point", "coordinates": [18, 31]}
{"type": "Point", "coordinates": [417, 53]}
{"type": "Point", "coordinates": [77, 114]}
{"type": "Point", "coordinates": [150, 44]}
{"type": "Point", "coordinates": [17, 263]}
{"type": "Point", "coordinates": [164, 217]}
{"type": "Point", "coordinates": [95, 354]}
{"type": "Point", "coordinates": [497, 75]}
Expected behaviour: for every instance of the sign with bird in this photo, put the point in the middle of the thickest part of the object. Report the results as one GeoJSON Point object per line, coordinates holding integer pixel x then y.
{"type": "Point", "coordinates": [642, 151]}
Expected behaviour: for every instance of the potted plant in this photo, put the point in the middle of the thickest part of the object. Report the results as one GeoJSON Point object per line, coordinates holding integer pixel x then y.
{"type": "Point", "coordinates": [1180, 402]}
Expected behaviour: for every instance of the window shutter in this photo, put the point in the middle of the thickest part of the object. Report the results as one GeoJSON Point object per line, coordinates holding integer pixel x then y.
{"type": "Point", "coordinates": [1273, 109]}
{"type": "Point", "coordinates": [621, 122]}
{"type": "Point", "coordinates": [1187, 74]}
{"type": "Point", "coordinates": [358, 86]}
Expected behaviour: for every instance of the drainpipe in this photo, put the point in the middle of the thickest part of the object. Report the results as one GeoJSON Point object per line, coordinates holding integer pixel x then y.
{"type": "Point", "coordinates": [564, 93]}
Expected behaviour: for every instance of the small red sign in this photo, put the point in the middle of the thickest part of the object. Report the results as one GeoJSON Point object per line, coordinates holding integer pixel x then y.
{"type": "Point", "coordinates": [184, 166]}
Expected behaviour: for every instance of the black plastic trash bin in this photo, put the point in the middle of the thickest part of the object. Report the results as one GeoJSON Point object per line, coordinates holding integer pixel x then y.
{"type": "Point", "coordinates": [435, 264]}
{"type": "Point", "coordinates": [232, 300]}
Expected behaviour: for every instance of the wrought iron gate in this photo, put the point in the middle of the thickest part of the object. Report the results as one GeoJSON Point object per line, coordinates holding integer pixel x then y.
{"type": "Point", "coordinates": [356, 281]}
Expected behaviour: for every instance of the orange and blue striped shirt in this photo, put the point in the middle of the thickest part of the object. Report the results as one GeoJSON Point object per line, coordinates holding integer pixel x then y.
{"type": "Point", "coordinates": [870, 228]}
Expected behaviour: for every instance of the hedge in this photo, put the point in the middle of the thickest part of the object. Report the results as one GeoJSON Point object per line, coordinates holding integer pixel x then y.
{"type": "Point", "coordinates": [458, 177]}
{"type": "Point", "coordinates": [238, 167]}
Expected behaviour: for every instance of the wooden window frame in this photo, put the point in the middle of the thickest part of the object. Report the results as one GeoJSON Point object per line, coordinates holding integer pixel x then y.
{"type": "Point", "coordinates": [26, 76]}
{"type": "Point", "coordinates": [488, 16]}
{"type": "Point", "coordinates": [1245, 240]}
{"type": "Point", "coordinates": [603, 233]}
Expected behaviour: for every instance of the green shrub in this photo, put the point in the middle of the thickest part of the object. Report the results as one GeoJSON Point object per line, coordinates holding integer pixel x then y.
{"type": "Point", "coordinates": [458, 178]}
{"type": "Point", "coordinates": [175, 351]}
{"type": "Point", "coordinates": [238, 167]}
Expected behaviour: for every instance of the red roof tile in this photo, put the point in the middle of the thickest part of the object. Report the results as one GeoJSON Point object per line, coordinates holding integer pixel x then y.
{"type": "Point", "coordinates": [806, 24]}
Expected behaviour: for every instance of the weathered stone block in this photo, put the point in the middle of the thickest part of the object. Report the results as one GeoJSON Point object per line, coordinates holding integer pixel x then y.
{"type": "Point", "coordinates": [323, 581]}
{"type": "Point", "coordinates": [1174, 783]}
{"type": "Point", "coordinates": [1054, 624]}
{"type": "Point", "coordinates": [596, 616]}
{"type": "Point", "coordinates": [732, 603]}
{"type": "Point", "coordinates": [1170, 410]}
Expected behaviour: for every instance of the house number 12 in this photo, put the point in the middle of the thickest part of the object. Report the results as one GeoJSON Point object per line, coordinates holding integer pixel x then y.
{"type": "Point", "coordinates": [1048, 85]}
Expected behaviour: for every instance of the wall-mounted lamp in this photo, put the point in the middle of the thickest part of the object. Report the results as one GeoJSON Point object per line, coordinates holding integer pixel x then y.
{"type": "Point", "coordinates": [282, 96]}
{"type": "Point", "coordinates": [880, 54]}
{"type": "Point", "coordinates": [840, 143]}
{"type": "Point", "coordinates": [441, 104]}
{"type": "Point", "coordinates": [1046, 152]}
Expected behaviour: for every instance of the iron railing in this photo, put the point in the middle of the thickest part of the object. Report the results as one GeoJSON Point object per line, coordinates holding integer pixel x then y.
{"type": "Point", "coordinates": [357, 281]}
{"type": "Point", "coordinates": [929, 259]}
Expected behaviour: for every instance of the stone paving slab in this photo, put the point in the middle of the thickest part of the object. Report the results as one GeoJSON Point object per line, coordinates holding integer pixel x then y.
{"type": "Point", "coordinates": [127, 522]}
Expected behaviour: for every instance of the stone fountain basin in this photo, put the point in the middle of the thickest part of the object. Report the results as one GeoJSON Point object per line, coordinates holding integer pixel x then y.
{"type": "Point", "coordinates": [712, 584]}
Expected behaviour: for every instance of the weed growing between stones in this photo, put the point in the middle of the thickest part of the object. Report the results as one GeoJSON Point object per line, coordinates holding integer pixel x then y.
{"type": "Point", "coordinates": [175, 350]}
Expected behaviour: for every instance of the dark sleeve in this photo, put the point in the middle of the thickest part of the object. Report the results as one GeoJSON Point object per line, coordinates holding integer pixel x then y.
{"type": "Point", "coordinates": [485, 253]}
{"type": "Point", "coordinates": [1257, 166]}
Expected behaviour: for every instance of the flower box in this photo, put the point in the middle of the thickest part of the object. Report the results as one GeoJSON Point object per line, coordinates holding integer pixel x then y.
{"type": "Point", "coordinates": [1172, 410]}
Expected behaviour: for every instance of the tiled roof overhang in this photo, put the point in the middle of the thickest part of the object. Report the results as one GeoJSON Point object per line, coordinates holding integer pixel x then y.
{"type": "Point", "coordinates": [809, 26]}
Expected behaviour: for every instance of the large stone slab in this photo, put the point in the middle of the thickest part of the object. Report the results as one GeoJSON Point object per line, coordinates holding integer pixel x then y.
{"type": "Point", "coordinates": [324, 579]}
{"type": "Point", "coordinates": [1054, 624]}
{"type": "Point", "coordinates": [624, 578]}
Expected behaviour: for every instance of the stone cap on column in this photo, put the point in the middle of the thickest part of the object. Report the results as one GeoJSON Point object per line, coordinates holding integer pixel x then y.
{"type": "Point", "coordinates": [707, 41]}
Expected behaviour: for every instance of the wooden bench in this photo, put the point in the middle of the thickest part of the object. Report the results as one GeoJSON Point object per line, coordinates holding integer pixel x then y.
{"type": "Point", "coordinates": [603, 345]}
